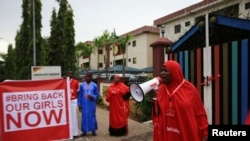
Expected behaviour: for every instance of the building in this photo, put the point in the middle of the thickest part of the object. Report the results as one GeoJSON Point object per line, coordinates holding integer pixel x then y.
{"type": "Point", "coordinates": [181, 21]}
{"type": "Point", "coordinates": [211, 42]}
{"type": "Point", "coordinates": [138, 54]}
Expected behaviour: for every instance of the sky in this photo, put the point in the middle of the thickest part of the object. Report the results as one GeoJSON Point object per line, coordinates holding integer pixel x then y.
{"type": "Point", "coordinates": [91, 17]}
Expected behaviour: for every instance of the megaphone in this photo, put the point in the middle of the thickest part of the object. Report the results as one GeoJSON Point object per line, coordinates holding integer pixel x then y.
{"type": "Point", "coordinates": [138, 91]}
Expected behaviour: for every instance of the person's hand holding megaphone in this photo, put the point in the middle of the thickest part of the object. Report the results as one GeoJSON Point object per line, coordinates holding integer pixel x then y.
{"type": "Point", "coordinates": [138, 91]}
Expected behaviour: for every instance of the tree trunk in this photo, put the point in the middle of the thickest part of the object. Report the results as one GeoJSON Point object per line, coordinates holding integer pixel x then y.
{"type": "Point", "coordinates": [98, 73]}
{"type": "Point", "coordinates": [107, 61]}
{"type": "Point", "coordinates": [123, 66]}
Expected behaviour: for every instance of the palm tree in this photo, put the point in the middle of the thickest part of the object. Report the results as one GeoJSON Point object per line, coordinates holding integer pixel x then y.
{"type": "Point", "coordinates": [85, 50]}
{"type": "Point", "coordinates": [122, 43]}
{"type": "Point", "coordinates": [106, 41]}
{"type": "Point", "coordinates": [98, 44]}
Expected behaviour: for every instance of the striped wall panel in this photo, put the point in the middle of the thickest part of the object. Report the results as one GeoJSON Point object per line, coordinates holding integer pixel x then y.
{"type": "Point", "coordinates": [225, 83]}
{"type": "Point", "coordinates": [234, 84]}
{"type": "Point", "coordinates": [180, 60]}
{"type": "Point", "coordinates": [192, 66]}
{"type": "Point", "coordinates": [244, 79]}
{"type": "Point", "coordinates": [175, 56]}
{"type": "Point", "coordinates": [226, 98]}
{"type": "Point", "coordinates": [199, 75]}
{"type": "Point", "coordinates": [207, 90]}
{"type": "Point", "coordinates": [186, 65]}
{"type": "Point", "coordinates": [216, 76]}
{"type": "Point", "coordinates": [170, 56]}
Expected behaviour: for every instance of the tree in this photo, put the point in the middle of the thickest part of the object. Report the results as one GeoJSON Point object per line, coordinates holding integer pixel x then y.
{"type": "Point", "coordinates": [2, 66]}
{"type": "Point", "coordinates": [97, 45]}
{"type": "Point", "coordinates": [70, 60]}
{"type": "Point", "coordinates": [85, 50]}
{"type": "Point", "coordinates": [23, 43]}
{"type": "Point", "coordinates": [40, 50]}
{"type": "Point", "coordinates": [55, 53]}
{"type": "Point", "coordinates": [24, 40]}
{"type": "Point", "coordinates": [46, 49]}
{"type": "Point", "coordinates": [122, 43]}
{"type": "Point", "coordinates": [62, 43]}
{"type": "Point", "coordinates": [106, 40]}
{"type": "Point", "coordinates": [10, 66]}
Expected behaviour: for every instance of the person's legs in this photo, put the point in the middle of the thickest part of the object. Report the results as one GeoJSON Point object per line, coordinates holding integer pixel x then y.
{"type": "Point", "coordinates": [93, 133]}
{"type": "Point", "coordinates": [74, 117]}
{"type": "Point", "coordinates": [118, 131]}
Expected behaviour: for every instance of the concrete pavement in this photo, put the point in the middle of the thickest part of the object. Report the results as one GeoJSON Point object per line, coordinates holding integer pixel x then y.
{"type": "Point", "coordinates": [137, 131]}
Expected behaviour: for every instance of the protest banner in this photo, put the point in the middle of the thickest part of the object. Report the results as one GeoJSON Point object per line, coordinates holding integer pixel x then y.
{"type": "Point", "coordinates": [35, 110]}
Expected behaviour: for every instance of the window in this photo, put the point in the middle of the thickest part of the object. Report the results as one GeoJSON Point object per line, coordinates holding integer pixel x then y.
{"type": "Point", "coordinates": [134, 60]}
{"type": "Point", "coordinates": [85, 57]}
{"type": "Point", "coordinates": [129, 60]}
{"type": "Point", "coordinates": [100, 51]}
{"type": "Point", "coordinates": [134, 43]}
{"type": "Point", "coordinates": [177, 28]}
{"type": "Point", "coordinates": [100, 65]}
{"type": "Point", "coordinates": [198, 19]}
{"type": "Point", "coordinates": [247, 5]}
{"type": "Point", "coordinates": [129, 43]}
{"type": "Point", "coordinates": [187, 23]}
{"type": "Point", "coordinates": [86, 65]}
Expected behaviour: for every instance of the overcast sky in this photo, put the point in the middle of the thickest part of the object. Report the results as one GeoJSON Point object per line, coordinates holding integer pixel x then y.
{"type": "Point", "coordinates": [91, 17]}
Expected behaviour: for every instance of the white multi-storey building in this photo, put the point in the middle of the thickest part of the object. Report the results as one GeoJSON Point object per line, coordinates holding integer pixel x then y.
{"type": "Point", "coordinates": [181, 21]}
{"type": "Point", "coordinates": [138, 53]}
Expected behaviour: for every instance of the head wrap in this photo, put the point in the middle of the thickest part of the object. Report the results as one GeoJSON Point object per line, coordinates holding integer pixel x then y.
{"type": "Point", "coordinates": [117, 76]}
{"type": "Point", "coordinates": [176, 73]}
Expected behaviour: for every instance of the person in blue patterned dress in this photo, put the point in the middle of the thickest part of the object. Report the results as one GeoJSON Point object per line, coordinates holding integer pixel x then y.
{"type": "Point", "coordinates": [88, 94]}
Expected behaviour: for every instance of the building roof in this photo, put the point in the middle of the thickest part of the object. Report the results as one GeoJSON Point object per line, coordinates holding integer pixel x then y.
{"type": "Point", "coordinates": [222, 29]}
{"type": "Point", "coordinates": [188, 9]}
{"type": "Point", "coordinates": [88, 42]}
{"type": "Point", "coordinates": [144, 29]}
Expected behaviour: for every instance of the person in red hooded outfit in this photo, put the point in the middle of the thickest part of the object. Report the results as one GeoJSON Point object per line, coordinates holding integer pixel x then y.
{"type": "Point", "coordinates": [181, 114]}
{"type": "Point", "coordinates": [118, 98]}
{"type": "Point", "coordinates": [248, 118]}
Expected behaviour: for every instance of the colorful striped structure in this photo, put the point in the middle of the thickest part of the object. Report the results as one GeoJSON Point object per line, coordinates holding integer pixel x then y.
{"type": "Point", "coordinates": [220, 71]}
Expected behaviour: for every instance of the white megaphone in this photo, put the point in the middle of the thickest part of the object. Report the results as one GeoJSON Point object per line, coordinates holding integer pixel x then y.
{"type": "Point", "coordinates": [138, 91]}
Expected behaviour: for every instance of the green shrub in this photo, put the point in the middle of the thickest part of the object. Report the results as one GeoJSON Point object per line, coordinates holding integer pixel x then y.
{"type": "Point", "coordinates": [99, 100]}
{"type": "Point", "coordinates": [145, 107]}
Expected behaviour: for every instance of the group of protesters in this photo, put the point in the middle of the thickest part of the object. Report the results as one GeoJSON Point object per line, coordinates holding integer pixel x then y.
{"type": "Point", "coordinates": [180, 112]}
{"type": "Point", "coordinates": [84, 96]}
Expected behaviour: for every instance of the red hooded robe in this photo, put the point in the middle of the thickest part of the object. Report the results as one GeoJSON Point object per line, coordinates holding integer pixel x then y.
{"type": "Point", "coordinates": [182, 115]}
{"type": "Point", "coordinates": [248, 118]}
{"type": "Point", "coordinates": [118, 107]}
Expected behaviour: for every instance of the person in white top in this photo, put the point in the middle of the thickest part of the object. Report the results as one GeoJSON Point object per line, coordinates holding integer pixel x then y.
{"type": "Point", "coordinates": [74, 88]}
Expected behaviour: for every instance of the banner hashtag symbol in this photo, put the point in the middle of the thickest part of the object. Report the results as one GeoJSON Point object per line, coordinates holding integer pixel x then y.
{"type": "Point", "coordinates": [8, 98]}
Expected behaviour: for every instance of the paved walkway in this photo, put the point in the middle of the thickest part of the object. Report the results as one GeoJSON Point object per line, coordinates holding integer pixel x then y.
{"type": "Point", "coordinates": [137, 131]}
